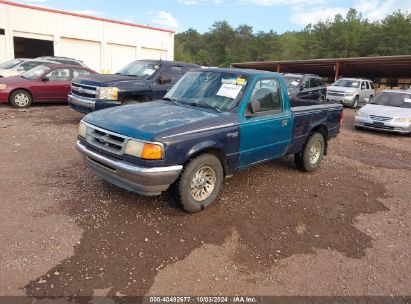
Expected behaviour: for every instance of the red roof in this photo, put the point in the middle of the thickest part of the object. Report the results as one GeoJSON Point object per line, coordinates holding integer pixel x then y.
{"type": "Point", "coordinates": [44, 9]}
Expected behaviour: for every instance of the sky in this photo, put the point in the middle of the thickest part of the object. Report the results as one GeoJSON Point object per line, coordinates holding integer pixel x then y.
{"type": "Point", "coordinates": [180, 15]}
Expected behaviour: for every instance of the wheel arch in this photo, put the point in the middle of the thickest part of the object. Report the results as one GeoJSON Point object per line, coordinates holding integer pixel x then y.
{"type": "Point", "coordinates": [322, 129]}
{"type": "Point", "coordinates": [209, 147]}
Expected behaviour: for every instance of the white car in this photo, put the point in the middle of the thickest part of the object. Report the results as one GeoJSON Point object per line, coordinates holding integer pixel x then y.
{"type": "Point", "coordinates": [18, 66]}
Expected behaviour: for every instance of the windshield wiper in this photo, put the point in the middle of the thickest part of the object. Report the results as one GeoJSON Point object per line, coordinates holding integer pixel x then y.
{"type": "Point", "coordinates": [204, 105]}
{"type": "Point", "coordinates": [171, 99]}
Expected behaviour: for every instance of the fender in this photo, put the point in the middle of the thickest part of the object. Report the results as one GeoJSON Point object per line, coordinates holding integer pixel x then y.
{"type": "Point", "coordinates": [204, 145]}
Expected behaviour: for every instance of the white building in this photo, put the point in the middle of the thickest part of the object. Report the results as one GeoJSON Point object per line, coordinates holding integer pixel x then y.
{"type": "Point", "coordinates": [104, 45]}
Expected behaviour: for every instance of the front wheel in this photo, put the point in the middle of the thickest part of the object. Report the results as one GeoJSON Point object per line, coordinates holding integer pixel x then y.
{"type": "Point", "coordinates": [354, 103]}
{"type": "Point", "coordinates": [311, 155]}
{"type": "Point", "coordinates": [20, 99]}
{"type": "Point", "coordinates": [321, 99]}
{"type": "Point", "coordinates": [200, 182]}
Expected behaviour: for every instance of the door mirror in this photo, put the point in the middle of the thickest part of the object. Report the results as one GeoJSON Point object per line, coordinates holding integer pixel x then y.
{"type": "Point", "coordinates": [253, 107]}
{"type": "Point", "coordinates": [302, 87]}
{"type": "Point", "coordinates": [164, 79]}
{"type": "Point", "coordinates": [45, 78]}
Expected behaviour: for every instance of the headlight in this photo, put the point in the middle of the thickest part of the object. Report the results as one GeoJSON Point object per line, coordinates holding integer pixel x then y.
{"type": "Point", "coordinates": [362, 114]}
{"type": "Point", "coordinates": [144, 150]}
{"type": "Point", "coordinates": [350, 94]}
{"type": "Point", "coordinates": [82, 129]}
{"type": "Point", "coordinates": [404, 120]}
{"type": "Point", "coordinates": [3, 86]}
{"type": "Point", "coordinates": [108, 93]}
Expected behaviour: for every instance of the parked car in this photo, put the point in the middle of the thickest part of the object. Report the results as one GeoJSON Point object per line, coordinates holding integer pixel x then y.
{"type": "Point", "coordinates": [16, 67]}
{"type": "Point", "coordinates": [63, 60]}
{"type": "Point", "coordinates": [305, 86]}
{"type": "Point", "coordinates": [351, 91]}
{"type": "Point", "coordinates": [211, 124]}
{"type": "Point", "coordinates": [389, 111]}
{"type": "Point", "coordinates": [140, 81]}
{"type": "Point", "coordinates": [46, 83]}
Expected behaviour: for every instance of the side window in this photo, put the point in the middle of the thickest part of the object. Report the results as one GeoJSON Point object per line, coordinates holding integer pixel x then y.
{"type": "Point", "coordinates": [307, 84]}
{"type": "Point", "coordinates": [59, 75]}
{"type": "Point", "coordinates": [174, 72]}
{"type": "Point", "coordinates": [314, 83]}
{"type": "Point", "coordinates": [372, 85]}
{"type": "Point", "coordinates": [267, 95]}
{"type": "Point", "coordinates": [80, 72]}
{"type": "Point", "coordinates": [26, 66]}
{"type": "Point", "coordinates": [362, 85]}
{"type": "Point", "coordinates": [320, 82]}
{"type": "Point", "coordinates": [367, 85]}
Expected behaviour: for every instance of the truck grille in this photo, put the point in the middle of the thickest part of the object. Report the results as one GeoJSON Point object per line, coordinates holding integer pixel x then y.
{"type": "Point", "coordinates": [83, 90]}
{"type": "Point", "coordinates": [380, 118]}
{"type": "Point", "coordinates": [106, 140]}
{"type": "Point", "coordinates": [332, 93]}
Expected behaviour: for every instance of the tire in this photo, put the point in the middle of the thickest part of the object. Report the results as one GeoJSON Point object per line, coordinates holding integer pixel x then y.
{"type": "Point", "coordinates": [135, 100]}
{"type": "Point", "coordinates": [202, 172]}
{"type": "Point", "coordinates": [354, 103]}
{"type": "Point", "coordinates": [21, 99]}
{"type": "Point", "coordinates": [305, 160]}
{"type": "Point", "coordinates": [321, 99]}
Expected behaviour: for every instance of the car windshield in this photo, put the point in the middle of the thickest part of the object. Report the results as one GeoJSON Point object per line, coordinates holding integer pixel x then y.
{"type": "Point", "coordinates": [393, 99]}
{"type": "Point", "coordinates": [218, 90]}
{"type": "Point", "coordinates": [10, 64]}
{"type": "Point", "coordinates": [292, 82]}
{"type": "Point", "coordinates": [36, 72]}
{"type": "Point", "coordinates": [347, 83]}
{"type": "Point", "coordinates": [141, 70]}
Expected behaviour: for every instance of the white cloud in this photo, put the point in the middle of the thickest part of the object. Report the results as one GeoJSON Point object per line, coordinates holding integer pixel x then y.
{"type": "Point", "coordinates": [33, 1]}
{"type": "Point", "coordinates": [90, 12]}
{"type": "Point", "coordinates": [188, 2]}
{"type": "Point", "coordinates": [165, 18]}
{"type": "Point", "coordinates": [282, 2]}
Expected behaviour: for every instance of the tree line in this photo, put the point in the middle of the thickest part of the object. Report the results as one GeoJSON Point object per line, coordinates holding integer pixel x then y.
{"type": "Point", "coordinates": [344, 36]}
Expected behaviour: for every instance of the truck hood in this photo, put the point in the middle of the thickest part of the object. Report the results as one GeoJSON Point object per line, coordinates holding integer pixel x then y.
{"type": "Point", "coordinates": [394, 112]}
{"type": "Point", "coordinates": [155, 120]}
{"type": "Point", "coordinates": [110, 80]}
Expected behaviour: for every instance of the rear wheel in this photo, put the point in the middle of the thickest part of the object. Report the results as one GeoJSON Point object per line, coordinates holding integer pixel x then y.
{"type": "Point", "coordinates": [200, 182]}
{"type": "Point", "coordinates": [354, 103]}
{"type": "Point", "coordinates": [321, 99]}
{"type": "Point", "coordinates": [311, 155]}
{"type": "Point", "coordinates": [20, 99]}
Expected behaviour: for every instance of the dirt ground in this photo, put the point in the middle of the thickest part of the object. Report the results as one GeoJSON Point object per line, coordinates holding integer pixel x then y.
{"type": "Point", "coordinates": [343, 230]}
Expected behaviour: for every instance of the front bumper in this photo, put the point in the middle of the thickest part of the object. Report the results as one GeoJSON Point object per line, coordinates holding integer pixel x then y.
{"type": "Point", "coordinates": [81, 104]}
{"type": "Point", "coordinates": [390, 126]}
{"type": "Point", "coordinates": [146, 181]}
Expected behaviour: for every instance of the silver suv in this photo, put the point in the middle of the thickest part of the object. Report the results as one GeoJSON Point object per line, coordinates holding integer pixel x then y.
{"type": "Point", "coordinates": [351, 91]}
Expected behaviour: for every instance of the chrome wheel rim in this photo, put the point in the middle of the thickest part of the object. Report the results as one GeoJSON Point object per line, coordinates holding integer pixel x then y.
{"type": "Point", "coordinates": [203, 183]}
{"type": "Point", "coordinates": [315, 153]}
{"type": "Point", "coordinates": [21, 99]}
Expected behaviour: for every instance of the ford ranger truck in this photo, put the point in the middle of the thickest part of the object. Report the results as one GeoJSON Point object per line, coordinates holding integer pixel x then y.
{"type": "Point", "coordinates": [211, 124]}
{"type": "Point", "coordinates": [140, 81]}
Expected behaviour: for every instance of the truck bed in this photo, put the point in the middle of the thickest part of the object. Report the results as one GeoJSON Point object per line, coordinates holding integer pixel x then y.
{"type": "Point", "coordinates": [309, 114]}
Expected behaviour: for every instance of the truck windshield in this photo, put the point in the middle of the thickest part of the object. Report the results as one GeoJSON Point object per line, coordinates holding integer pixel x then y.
{"type": "Point", "coordinates": [10, 64]}
{"type": "Point", "coordinates": [292, 82]}
{"type": "Point", "coordinates": [36, 72]}
{"type": "Point", "coordinates": [140, 70]}
{"type": "Point", "coordinates": [221, 91]}
{"type": "Point", "coordinates": [392, 99]}
{"type": "Point", "coordinates": [347, 83]}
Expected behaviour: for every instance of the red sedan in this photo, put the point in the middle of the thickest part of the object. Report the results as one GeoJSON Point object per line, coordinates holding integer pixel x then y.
{"type": "Point", "coordinates": [44, 83]}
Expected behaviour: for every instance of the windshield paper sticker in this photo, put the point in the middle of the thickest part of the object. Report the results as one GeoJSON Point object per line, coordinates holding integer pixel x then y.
{"type": "Point", "coordinates": [229, 90]}
{"type": "Point", "coordinates": [148, 71]}
{"type": "Point", "coordinates": [407, 100]}
{"type": "Point", "coordinates": [355, 83]}
{"type": "Point", "coordinates": [295, 83]}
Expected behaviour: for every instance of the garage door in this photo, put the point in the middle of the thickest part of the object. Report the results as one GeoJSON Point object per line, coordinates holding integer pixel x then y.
{"type": "Point", "coordinates": [147, 53]}
{"type": "Point", "coordinates": [118, 56]}
{"type": "Point", "coordinates": [85, 50]}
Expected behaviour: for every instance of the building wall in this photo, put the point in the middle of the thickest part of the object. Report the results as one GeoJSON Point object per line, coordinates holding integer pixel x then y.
{"type": "Point", "coordinates": [104, 46]}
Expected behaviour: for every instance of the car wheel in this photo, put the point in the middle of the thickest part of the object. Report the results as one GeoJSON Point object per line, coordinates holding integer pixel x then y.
{"type": "Point", "coordinates": [200, 182]}
{"type": "Point", "coordinates": [321, 99]}
{"type": "Point", "coordinates": [354, 103]}
{"type": "Point", "coordinates": [20, 99]}
{"type": "Point", "coordinates": [311, 155]}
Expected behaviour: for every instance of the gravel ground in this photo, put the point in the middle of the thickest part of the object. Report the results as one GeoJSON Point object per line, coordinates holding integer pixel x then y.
{"type": "Point", "coordinates": [343, 230]}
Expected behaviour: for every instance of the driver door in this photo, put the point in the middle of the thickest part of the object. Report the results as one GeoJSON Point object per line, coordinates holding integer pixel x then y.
{"type": "Point", "coordinates": [266, 133]}
{"type": "Point", "coordinates": [54, 86]}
